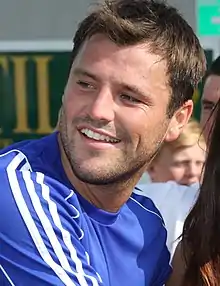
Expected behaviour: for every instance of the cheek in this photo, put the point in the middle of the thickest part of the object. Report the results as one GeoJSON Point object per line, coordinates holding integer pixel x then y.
{"type": "Point", "coordinates": [164, 170]}
{"type": "Point", "coordinates": [133, 125]}
{"type": "Point", "coordinates": [72, 104]}
{"type": "Point", "coordinates": [143, 127]}
{"type": "Point", "coordinates": [206, 127]}
{"type": "Point", "coordinates": [134, 120]}
{"type": "Point", "coordinates": [204, 117]}
{"type": "Point", "coordinates": [177, 173]}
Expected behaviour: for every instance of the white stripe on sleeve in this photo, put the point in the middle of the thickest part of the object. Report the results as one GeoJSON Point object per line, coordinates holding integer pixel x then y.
{"type": "Point", "coordinates": [65, 234]}
{"type": "Point", "coordinates": [33, 230]}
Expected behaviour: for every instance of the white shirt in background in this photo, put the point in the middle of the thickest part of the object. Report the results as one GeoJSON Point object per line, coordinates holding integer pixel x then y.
{"type": "Point", "coordinates": [174, 202]}
{"type": "Point", "coordinates": [145, 179]}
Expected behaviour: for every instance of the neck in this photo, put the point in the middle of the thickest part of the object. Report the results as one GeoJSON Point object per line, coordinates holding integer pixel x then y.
{"type": "Point", "coordinates": [107, 197]}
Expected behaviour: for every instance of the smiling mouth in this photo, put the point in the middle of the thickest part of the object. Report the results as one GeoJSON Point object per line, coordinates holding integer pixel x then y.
{"type": "Point", "coordinates": [97, 136]}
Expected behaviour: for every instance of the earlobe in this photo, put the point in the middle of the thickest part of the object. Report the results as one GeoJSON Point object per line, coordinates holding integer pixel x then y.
{"type": "Point", "coordinates": [172, 134]}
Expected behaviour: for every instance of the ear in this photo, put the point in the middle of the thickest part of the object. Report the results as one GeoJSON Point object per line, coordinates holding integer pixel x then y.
{"type": "Point", "coordinates": [178, 121]}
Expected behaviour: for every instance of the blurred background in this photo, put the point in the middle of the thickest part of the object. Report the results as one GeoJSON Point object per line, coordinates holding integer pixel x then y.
{"type": "Point", "coordinates": [35, 44]}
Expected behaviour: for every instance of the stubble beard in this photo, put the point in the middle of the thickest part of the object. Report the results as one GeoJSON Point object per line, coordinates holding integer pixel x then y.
{"type": "Point", "coordinates": [115, 171]}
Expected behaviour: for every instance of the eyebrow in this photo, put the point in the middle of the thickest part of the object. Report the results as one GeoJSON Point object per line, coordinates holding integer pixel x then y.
{"type": "Point", "coordinates": [136, 90]}
{"type": "Point", "coordinates": [208, 102]}
{"type": "Point", "coordinates": [130, 88]}
{"type": "Point", "coordinates": [82, 72]}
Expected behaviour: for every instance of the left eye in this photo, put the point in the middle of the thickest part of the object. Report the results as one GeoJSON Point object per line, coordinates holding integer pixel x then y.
{"type": "Point", "coordinates": [129, 98]}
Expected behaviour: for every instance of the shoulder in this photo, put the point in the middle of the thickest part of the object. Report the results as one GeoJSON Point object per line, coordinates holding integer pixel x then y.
{"type": "Point", "coordinates": [25, 191]}
{"type": "Point", "coordinates": [154, 231]}
{"type": "Point", "coordinates": [27, 194]}
{"type": "Point", "coordinates": [40, 228]}
{"type": "Point", "coordinates": [37, 153]}
{"type": "Point", "coordinates": [142, 202]}
{"type": "Point", "coordinates": [170, 193]}
{"type": "Point", "coordinates": [16, 154]}
{"type": "Point", "coordinates": [167, 188]}
{"type": "Point", "coordinates": [155, 234]}
{"type": "Point", "coordinates": [34, 145]}
{"type": "Point", "coordinates": [22, 145]}
{"type": "Point", "coordinates": [32, 196]}
{"type": "Point", "coordinates": [174, 202]}
{"type": "Point", "coordinates": [147, 214]}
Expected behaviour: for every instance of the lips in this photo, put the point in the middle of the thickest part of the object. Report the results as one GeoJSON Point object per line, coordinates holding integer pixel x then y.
{"type": "Point", "coordinates": [98, 136]}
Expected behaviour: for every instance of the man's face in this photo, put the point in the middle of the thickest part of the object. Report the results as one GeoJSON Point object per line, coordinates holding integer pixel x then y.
{"type": "Point", "coordinates": [210, 97]}
{"type": "Point", "coordinates": [113, 116]}
{"type": "Point", "coordinates": [183, 165]}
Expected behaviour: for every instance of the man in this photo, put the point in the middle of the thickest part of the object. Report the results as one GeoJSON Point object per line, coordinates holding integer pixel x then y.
{"type": "Point", "coordinates": [68, 213]}
{"type": "Point", "coordinates": [210, 96]}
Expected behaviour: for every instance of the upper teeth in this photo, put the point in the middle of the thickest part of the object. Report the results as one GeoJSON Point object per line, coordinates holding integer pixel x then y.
{"type": "Point", "coordinates": [96, 136]}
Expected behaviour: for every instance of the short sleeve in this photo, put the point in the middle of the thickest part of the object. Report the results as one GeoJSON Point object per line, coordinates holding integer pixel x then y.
{"type": "Point", "coordinates": [39, 244]}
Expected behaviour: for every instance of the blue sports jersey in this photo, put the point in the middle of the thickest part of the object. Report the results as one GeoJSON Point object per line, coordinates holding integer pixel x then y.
{"type": "Point", "coordinates": [50, 235]}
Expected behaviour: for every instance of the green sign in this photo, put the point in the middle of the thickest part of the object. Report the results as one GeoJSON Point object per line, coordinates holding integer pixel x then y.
{"type": "Point", "coordinates": [208, 17]}
{"type": "Point", "coordinates": [31, 87]}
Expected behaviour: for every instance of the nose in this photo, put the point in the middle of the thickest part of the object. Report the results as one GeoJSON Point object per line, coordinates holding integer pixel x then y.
{"type": "Point", "coordinates": [102, 108]}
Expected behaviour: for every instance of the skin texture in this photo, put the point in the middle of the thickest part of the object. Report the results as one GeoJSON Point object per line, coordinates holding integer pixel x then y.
{"type": "Point", "coordinates": [121, 92]}
{"type": "Point", "coordinates": [211, 95]}
{"type": "Point", "coordinates": [183, 165]}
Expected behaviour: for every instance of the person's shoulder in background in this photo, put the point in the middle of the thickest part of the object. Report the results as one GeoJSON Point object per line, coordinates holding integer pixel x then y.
{"type": "Point", "coordinates": [168, 193]}
{"type": "Point", "coordinates": [174, 202]}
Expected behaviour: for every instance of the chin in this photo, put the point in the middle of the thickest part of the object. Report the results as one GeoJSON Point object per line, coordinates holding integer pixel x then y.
{"type": "Point", "coordinates": [93, 178]}
{"type": "Point", "coordinates": [88, 173]}
{"type": "Point", "coordinates": [96, 174]}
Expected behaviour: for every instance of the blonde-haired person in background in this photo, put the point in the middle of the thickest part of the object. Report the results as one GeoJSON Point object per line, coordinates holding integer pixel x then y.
{"type": "Point", "coordinates": [179, 162]}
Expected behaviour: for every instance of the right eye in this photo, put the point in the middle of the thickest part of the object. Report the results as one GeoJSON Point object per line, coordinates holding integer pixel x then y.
{"type": "Point", "coordinates": [209, 106]}
{"type": "Point", "coordinates": [85, 85]}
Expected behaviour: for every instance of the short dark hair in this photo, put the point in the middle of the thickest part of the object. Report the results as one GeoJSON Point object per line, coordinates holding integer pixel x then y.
{"type": "Point", "coordinates": [130, 22]}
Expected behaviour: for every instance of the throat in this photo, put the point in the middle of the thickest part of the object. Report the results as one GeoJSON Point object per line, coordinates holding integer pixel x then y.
{"type": "Point", "coordinates": [106, 198]}
{"type": "Point", "coordinates": [109, 197]}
